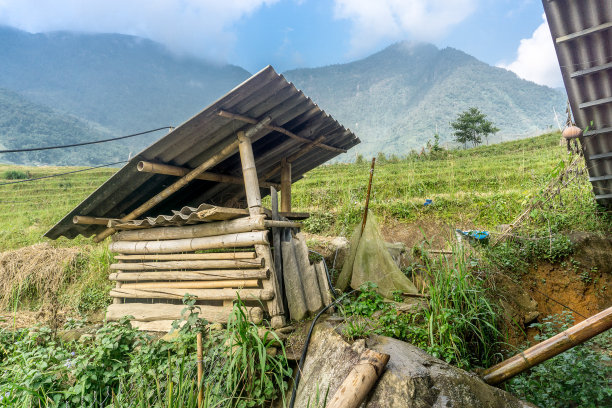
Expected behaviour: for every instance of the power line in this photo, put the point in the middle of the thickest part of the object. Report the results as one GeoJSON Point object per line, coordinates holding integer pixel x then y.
{"type": "Point", "coordinates": [63, 174]}
{"type": "Point", "coordinates": [33, 149]}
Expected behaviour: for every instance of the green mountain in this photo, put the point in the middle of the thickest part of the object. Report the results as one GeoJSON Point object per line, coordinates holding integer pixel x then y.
{"type": "Point", "coordinates": [124, 83]}
{"type": "Point", "coordinates": [24, 124]}
{"type": "Point", "coordinates": [395, 100]}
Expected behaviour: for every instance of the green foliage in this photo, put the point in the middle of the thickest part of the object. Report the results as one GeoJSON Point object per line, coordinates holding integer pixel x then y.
{"type": "Point", "coordinates": [128, 368]}
{"type": "Point", "coordinates": [471, 125]}
{"type": "Point", "coordinates": [579, 377]}
{"type": "Point", "coordinates": [16, 175]}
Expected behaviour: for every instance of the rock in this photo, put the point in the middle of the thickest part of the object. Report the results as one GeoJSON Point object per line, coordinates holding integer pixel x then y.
{"type": "Point", "coordinates": [413, 379]}
{"type": "Point", "coordinates": [86, 338]}
{"type": "Point", "coordinates": [70, 335]}
{"type": "Point", "coordinates": [397, 250]}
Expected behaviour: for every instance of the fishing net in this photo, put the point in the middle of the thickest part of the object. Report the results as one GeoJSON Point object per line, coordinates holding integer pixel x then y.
{"type": "Point", "coordinates": [369, 260]}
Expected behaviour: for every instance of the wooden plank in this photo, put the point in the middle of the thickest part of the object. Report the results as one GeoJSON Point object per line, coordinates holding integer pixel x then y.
{"type": "Point", "coordinates": [310, 284]}
{"type": "Point", "coordinates": [240, 240]}
{"type": "Point", "coordinates": [285, 186]}
{"type": "Point", "coordinates": [278, 257]}
{"type": "Point", "coordinates": [147, 312]}
{"type": "Point", "coordinates": [200, 294]}
{"type": "Point", "coordinates": [186, 257]}
{"type": "Point", "coordinates": [190, 275]}
{"type": "Point", "coordinates": [581, 33]}
{"type": "Point", "coordinates": [244, 224]}
{"type": "Point", "coordinates": [291, 274]}
{"type": "Point", "coordinates": [295, 215]}
{"type": "Point", "coordinates": [210, 284]}
{"type": "Point", "coordinates": [203, 265]}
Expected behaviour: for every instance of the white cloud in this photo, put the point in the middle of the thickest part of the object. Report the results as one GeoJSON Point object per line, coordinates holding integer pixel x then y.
{"type": "Point", "coordinates": [376, 20]}
{"type": "Point", "coordinates": [201, 27]}
{"type": "Point", "coordinates": [536, 59]}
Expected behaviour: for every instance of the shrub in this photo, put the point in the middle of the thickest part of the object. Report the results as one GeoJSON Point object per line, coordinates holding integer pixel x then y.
{"type": "Point", "coordinates": [16, 175]}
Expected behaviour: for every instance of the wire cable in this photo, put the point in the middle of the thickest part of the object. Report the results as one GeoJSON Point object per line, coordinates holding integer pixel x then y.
{"type": "Point", "coordinates": [62, 174]}
{"type": "Point", "coordinates": [34, 149]}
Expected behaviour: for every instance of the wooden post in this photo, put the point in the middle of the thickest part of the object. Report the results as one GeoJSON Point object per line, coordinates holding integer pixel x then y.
{"type": "Point", "coordinates": [360, 380]}
{"type": "Point", "coordinates": [249, 172]}
{"type": "Point", "coordinates": [276, 241]}
{"type": "Point", "coordinates": [200, 357]}
{"type": "Point", "coordinates": [367, 203]}
{"type": "Point", "coordinates": [285, 186]}
{"type": "Point", "coordinates": [571, 337]}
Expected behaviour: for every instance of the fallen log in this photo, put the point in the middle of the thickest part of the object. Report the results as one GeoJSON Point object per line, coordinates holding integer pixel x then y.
{"type": "Point", "coordinates": [240, 240]}
{"type": "Point", "coordinates": [359, 380]}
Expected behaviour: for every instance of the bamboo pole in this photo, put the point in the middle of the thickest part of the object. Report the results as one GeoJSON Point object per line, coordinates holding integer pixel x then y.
{"type": "Point", "coordinates": [207, 264]}
{"type": "Point", "coordinates": [159, 168]}
{"type": "Point", "coordinates": [239, 240]}
{"type": "Point", "coordinates": [86, 220]}
{"type": "Point", "coordinates": [200, 357]}
{"type": "Point", "coordinates": [367, 203]}
{"type": "Point", "coordinates": [279, 129]}
{"type": "Point", "coordinates": [563, 341]}
{"type": "Point", "coordinates": [200, 294]}
{"type": "Point", "coordinates": [245, 224]}
{"type": "Point", "coordinates": [148, 312]}
{"type": "Point", "coordinates": [227, 151]}
{"type": "Point", "coordinates": [190, 275]}
{"type": "Point", "coordinates": [360, 380]}
{"type": "Point", "coordinates": [187, 257]}
{"type": "Point", "coordinates": [282, 224]}
{"type": "Point", "coordinates": [249, 172]}
{"type": "Point", "coordinates": [285, 185]}
{"type": "Point", "coordinates": [244, 283]}
{"type": "Point", "coordinates": [278, 257]}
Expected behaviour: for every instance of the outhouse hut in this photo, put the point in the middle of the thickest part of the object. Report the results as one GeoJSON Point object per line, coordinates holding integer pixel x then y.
{"type": "Point", "coordinates": [186, 215]}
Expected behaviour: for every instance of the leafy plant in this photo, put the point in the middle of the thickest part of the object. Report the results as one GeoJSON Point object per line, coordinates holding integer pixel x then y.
{"type": "Point", "coordinates": [579, 377]}
{"type": "Point", "coordinates": [16, 175]}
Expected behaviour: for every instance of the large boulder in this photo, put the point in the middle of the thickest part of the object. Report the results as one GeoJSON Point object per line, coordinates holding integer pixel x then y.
{"type": "Point", "coordinates": [413, 379]}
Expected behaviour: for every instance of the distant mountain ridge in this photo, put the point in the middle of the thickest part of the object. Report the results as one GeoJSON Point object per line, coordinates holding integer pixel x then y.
{"type": "Point", "coordinates": [397, 98]}
{"type": "Point", "coordinates": [113, 84]}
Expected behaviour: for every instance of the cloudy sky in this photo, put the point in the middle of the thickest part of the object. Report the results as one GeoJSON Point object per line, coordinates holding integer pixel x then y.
{"type": "Point", "coordinates": [307, 33]}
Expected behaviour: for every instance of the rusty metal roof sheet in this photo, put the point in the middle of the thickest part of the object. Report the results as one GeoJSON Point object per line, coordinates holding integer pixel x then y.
{"type": "Point", "coordinates": [582, 33]}
{"type": "Point", "coordinates": [265, 94]}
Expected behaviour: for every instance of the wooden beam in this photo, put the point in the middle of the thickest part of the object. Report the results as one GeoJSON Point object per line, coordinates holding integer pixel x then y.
{"type": "Point", "coordinates": [249, 172]}
{"type": "Point", "coordinates": [282, 224]}
{"type": "Point", "coordinates": [227, 151]}
{"type": "Point", "coordinates": [159, 168]}
{"type": "Point", "coordinates": [209, 284]}
{"type": "Point", "coordinates": [279, 129]}
{"type": "Point", "coordinates": [200, 294]}
{"type": "Point", "coordinates": [150, 312]}
{"type": "Point", "coordinates": [187, 257]}
{"type": "Point", "coordinates": [85, 220]}
{"type": "Point", "coordinates": [205, 264]}
{"type": "Point", "coordinates": [285, 186]}
{"type": "Point", "coordinates": [219, 274]}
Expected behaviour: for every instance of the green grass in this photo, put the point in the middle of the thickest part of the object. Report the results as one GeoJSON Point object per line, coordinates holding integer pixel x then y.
{"type": "Point", "coordinates": [482, 187]}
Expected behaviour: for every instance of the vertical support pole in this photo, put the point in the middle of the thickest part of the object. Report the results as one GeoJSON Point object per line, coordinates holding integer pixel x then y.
{"type": "Point", "coordinates": [249, 172]}
{"type": "Point", "coordinates": [276, 242]}
{"type": "Point", "coordinates": [285, 186]}
{"type": "Point", "coordinates": [117, 301]}
{"type": "Point", "coordinates": [200, 357]}
{"type": "Point", "coordinates": [253, 194]}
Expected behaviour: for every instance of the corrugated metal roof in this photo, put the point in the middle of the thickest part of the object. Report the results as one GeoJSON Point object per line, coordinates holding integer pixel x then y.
{"type": "Point", "coordinates": [265, 94]}
{"type": "Point", "coordinates": [582, 33]}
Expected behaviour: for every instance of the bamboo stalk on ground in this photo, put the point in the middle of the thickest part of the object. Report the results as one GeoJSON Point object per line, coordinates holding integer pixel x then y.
{"type": "Point", "coordinates": [245, 224]}
{"type": "Point", "coordinates": [219, 274]}
{"type": "Point", "coordinates": [200, 294]}
{"type": "Point", "coordinates": [244, 239]}
{"type": "Point", "coordinates": [206, 264]}
{"type": "Point", "coordinates": [555, 345]}
{"type": "Point", "coordinates": [200, 357]}
{"type": "Point", "coordinates": [360, 380]}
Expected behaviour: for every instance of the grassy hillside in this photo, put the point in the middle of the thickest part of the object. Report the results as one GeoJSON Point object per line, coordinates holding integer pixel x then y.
{"type": "Point", "coordinates": [396, 98]}
{"type": "Point", "coordinates": [479, 188]}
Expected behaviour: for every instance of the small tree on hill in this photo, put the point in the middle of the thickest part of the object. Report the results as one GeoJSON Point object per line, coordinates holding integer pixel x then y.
{"type": "Point", "coordinates": [471, 126]}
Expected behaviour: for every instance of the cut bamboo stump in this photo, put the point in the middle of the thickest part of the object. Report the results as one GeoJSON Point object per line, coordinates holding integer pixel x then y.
{"type": "Point", "coordinates": [149, 312]}
{"type": "Point", "coordinates": [360, 380]}
{"type": "Point", "coordinates": [563, 341]}
{"type": "Point", "coordinates": [207, 264]}
{"type": "Point", "coordinates": [239, 240]}
{"type": "Point", "coordinates": [220, 274]}
{"type": "Point", "coordinates": [200, 294]}
{"type": "Point", "coordinates": [245, 224]}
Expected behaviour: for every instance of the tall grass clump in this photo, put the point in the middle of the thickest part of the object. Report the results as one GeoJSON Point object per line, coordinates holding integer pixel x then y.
{"type": "Point", "coordinates": [461, 323]}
